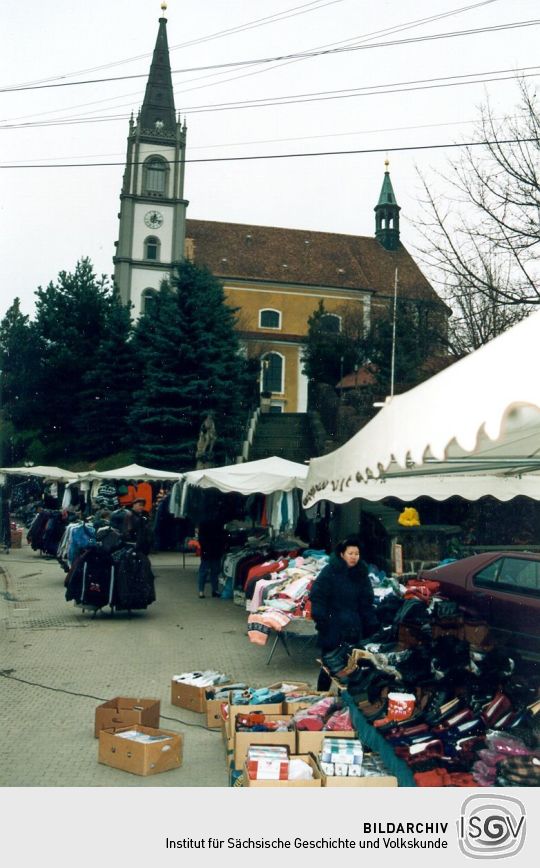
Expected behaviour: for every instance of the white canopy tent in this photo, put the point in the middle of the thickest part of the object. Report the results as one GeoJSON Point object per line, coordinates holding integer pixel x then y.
{"type": "Point", "coordinates": [57, 474]}
{"type": "Point", "coordinates": [264, 476]}
{"type": "Point", "coordinates": [472, 430]}
{"type": "Point", "coordinates": [131, 471]}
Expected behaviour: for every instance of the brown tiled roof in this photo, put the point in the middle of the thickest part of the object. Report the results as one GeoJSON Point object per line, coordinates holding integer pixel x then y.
{"type": "Point", "coordinates": [246, 252]}
{"type": "Point", "coordinates": [364, 376]}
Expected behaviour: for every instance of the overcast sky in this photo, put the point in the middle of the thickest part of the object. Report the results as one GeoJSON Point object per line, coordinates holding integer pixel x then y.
{"type": "Point", "coordinates": [50, 217]}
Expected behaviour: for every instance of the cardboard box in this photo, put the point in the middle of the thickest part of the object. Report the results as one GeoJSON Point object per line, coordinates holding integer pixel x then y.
{"type": "Point", "coordinates": [140, 758]}
{"type": "Point", "coordinates": [125, 711]}
{"type": "Point", "coordinates": [16, 538]}
{"type": "Point", "coordinates": [309, 758]}
{"type": "Point", "coordinates": [242, 740]}
{"type": "Point", "coordinates": [189, 696]}
{"type": "Point", "coordinates": [213, 713]}
{"type": "Point", "coordinates": [233, 710]}
{"type": "Point", "coordinates": [370, 781]}
{"type": "Point", "coordinates": [311, 742]}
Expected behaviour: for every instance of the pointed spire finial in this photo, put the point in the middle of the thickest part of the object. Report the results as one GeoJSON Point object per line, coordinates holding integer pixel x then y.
{"type": "Point", "coordinates": [164, 8]}
{"type": "Point", "coordinates": [386, 165]}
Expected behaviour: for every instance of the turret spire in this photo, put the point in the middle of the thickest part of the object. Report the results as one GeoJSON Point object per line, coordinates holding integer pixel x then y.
{"type": "Point", "coordinates": [387, 214]}
{"type": "Point", "coordinates": [158, 115]}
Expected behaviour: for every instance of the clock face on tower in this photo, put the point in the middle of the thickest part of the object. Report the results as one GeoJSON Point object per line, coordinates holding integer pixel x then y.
{"type": "Point", "coordinates": [153, 219]}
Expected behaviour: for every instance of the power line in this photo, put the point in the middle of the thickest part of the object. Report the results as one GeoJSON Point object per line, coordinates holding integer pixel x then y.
{"type": "Point", "coordinates": [253, 157]}
{"type": "Point", "coordinates": [294, 99]}
{"type": "Point", "coordinates": [249, 25]}
{"type": "Point", "coordinates": [301, 55]}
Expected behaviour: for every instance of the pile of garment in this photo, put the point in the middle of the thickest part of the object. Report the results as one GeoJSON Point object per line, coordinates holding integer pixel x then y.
{"type": "Point", "coordinates": [46, 531]}
{"type": "Point", "coordinates": [446, 704]}
{"type": "Point", "coordinates": [282, 594]}
{"type": "Point", "coordinates": [103, 569]}
{"type": "Point", "coordinates": [327, 714]}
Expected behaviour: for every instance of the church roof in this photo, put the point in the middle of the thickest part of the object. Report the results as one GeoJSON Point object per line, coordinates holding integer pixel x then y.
{"type": "Point", "coordinates": [305, 257]}
{"type": "Point", "coordinates": [158, 114]}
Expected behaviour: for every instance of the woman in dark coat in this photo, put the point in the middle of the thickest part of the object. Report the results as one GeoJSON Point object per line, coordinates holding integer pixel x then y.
{"type": "Point", "coordinates": [342, 602]}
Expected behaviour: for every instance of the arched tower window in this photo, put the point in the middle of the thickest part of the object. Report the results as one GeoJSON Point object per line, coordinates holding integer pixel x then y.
{"type": "Point", "coordinates": [269, 319]}
{"type": "Point", "coordinates": [331, 323]}
{"type": "Point", "coordinates": [151, 248]}
{"type": "Point", "coordinates": [155, 176]}
{"type": "Point", "coordinates": [148, 300]}
{"type": "Point", "coordinates": [273, 369]}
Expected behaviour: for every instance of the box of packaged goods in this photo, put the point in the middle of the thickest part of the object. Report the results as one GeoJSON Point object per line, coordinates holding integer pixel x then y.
{"type": "Point", "coordinates": [280, 769]}
{"type": "Point", "coordinates": [188, 690]}
{"type": "Point", "coordinates": [311, 742]}
{"type": "Point", "coordinates": [125, 711]}
{"type": "Point", "coordinates": [249, 730]}
{"type": "Point", "coordinates": [319, 720]}
{"type": "Point", "coordinates": [344, 764]}
{"type": "Point", "coordinates": [141, 750]}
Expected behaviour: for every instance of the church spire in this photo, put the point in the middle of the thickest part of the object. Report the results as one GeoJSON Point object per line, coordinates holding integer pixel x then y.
{"type": "Point", "coordinates": [158, 115]}
{"type": "Point", "coordinates": [387, 214]}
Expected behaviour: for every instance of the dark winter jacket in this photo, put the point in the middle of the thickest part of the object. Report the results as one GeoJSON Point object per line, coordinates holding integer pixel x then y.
{"type": "Point", "coordinates": [342, 603]}
{"type": "Point", "coordinates": [212, 539]}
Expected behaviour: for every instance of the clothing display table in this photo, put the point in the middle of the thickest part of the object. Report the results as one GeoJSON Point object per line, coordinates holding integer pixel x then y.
{"type": "Point", "coordinates": [304, 628]}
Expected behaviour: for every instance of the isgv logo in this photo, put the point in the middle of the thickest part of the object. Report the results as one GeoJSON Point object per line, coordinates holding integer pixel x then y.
{"type": "Point", "coordinates": [491, 826]}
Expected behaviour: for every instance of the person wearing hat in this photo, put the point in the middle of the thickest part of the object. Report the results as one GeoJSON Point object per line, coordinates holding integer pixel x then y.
{"type": "Point", "coordinates": [137, 526]}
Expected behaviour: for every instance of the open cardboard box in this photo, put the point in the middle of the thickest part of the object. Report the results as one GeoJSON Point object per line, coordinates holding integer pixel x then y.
{"type": "Point", "coordinates": [293, 707]}
{"type": "Point", "coordinates": [137, 757]}
{"type": "Point", "coordinates": [125, 711]}
{"type": "Point", "coordinates": [316, 781]}
{"type": "Point", "coordinates": [367, 781]}
{"type": "Point", "coordinates": [243, 740]}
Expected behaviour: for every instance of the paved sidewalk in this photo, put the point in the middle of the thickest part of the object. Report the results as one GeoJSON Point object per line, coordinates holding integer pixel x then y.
{"type": "Point", "coordinates": [79, 661]}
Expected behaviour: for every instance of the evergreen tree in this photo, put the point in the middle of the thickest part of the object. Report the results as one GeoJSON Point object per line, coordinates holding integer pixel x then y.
{"type": "Point", "coordinates": [418, 337]}
{"type": "Point", "coordinates": [19, 365]}
{"type": "Point", "coordinates": [328, 355]}
{"type": "Point", "coordinates": [107, 386]}
{"type": "Point", "coordinates": [191, 365]}
{"type": "Point", "coordinates": [70, 324]}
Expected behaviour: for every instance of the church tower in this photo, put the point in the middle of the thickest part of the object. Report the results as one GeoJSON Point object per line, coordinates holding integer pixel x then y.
{"type": "Point", "coordinates": [387, 214]}
{"type": "Point", "coordinates": [152, 205]}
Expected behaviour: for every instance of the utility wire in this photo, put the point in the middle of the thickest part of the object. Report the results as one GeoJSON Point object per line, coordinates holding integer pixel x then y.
{"type": "Point", "coordinates": [301, 55]}
{"type": "Point", "coordinates": [293, 99]}
{"type": "Point", "coordinates": [249, 25]}
{"type": "Point", "coordinates": [384, 150]}
{"type": "Point", "coordinates": [7, 674]}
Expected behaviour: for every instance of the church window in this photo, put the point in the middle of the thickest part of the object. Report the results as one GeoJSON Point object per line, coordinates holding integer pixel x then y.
{"type": "Point", "coordinates": [331, 323]}
{"type": "Point", "coordinates": [151, 248]}
{"type": "Point", "coordinates": [269, 319]}
{"type": "Point", "coordinates": [155, 177]}
{"type": "Point", "coordinates": [148, 301]}
{"type": "Point", "coordinates": [272, 372]}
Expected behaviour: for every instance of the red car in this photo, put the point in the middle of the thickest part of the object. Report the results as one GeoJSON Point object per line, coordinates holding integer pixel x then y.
{"type": "Point", "coordinates": [503, 587]}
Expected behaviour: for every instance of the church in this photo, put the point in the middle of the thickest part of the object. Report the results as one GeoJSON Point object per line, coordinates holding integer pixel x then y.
{"type": "Point", "coordinates": [275, 276]}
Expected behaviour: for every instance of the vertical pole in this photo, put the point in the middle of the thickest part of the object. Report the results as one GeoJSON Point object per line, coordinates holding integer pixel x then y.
{"type": "Point", "coordinates": [393, 365]}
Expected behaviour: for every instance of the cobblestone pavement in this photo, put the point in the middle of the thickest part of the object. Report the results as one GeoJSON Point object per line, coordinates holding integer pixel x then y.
{"type": "Point", "coordinates": [57, 663]}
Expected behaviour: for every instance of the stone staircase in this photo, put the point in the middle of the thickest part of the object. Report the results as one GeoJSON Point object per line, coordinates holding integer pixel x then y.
{"type": "Point", "coordinates": [287, 435]}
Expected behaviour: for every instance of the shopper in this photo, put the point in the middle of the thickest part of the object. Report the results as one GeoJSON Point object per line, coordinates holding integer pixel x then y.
{"type": "Point", "coordinates": [212, 538]}
{"type": "Point", "coordinates": [342, 602]}
{"type": "Point", "coordinates": [137, 527]}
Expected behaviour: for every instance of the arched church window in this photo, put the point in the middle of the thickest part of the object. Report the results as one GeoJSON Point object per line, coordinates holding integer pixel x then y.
{"type": "Point", "coordinates": [331, 323]}
{"type": "Point", "coordinates": [148, 300]}
{"type": "Point", "coordinates": [155, 177]}
{"type": "Point", "coordinates": [269, 319]}
{"type": "Point", "coordinates": [272, 365]}
{"type": "Point", "coordinates": [151, 248]}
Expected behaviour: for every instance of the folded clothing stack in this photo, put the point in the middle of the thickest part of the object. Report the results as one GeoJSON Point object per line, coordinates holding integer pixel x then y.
{"type": "Point", "coordinates": [259, 696]}
{"type": "Point", "coordinates": [316, 716]}
{"type": "Point", "coordinates": [207, 678]}
{"type": "Point", "coordinates": [342, 757]}
{"type": "Point", "coordinates": [255, 721]}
